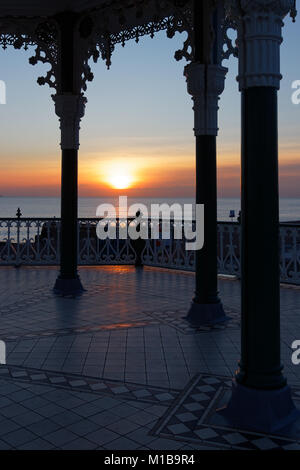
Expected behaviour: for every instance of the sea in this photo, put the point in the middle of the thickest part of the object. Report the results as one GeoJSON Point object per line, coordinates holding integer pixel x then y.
{"type": "Point", "coordinates": [87, 206]}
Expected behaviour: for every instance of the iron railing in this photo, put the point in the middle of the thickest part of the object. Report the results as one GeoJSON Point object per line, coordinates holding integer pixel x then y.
{"type": "Point", "coordinates": [35, 241]}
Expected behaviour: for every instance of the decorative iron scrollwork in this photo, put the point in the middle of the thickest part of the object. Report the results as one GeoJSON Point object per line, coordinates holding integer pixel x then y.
{"type": "Point", "coordinates": [180, 21]}
{"type": "Point", "coordinates": [229, 46]}
{"type": "Point", "coordinates": [293, 12]}
{"type": "Point", "coordinates": [43, 35]}
{"type": "Point", "coordinates": [15, 40]}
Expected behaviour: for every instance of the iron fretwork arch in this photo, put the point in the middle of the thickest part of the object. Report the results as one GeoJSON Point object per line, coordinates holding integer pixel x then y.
{"type": "Point", "coordinates": [100, 30]}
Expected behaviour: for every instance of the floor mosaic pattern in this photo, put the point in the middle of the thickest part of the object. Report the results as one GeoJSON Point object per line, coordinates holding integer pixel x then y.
{"type": "Point", "coordinates": [119, 368]}
{"type": "Point", "coordinates": [190, 419]}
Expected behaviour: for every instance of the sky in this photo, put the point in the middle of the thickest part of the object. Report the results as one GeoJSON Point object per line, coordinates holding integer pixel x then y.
{"type": "Point", "coordinates": [137, 130]}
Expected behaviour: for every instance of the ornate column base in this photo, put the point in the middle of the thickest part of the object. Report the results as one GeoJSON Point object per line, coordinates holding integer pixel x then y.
{"type": "Point", "coordinates": [67, 287]}
{"type": "Point", "coordinates": [260, 410]}
{"type": "Point", "coordinates": [206, 314]}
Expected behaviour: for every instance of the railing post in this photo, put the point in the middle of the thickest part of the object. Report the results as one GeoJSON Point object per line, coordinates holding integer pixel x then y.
{"type": "Point", "coordinates": [19, 215]}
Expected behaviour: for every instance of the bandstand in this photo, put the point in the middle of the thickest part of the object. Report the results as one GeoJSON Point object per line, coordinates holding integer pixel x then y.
{"type": "Point", "coordinates": [67, 34]}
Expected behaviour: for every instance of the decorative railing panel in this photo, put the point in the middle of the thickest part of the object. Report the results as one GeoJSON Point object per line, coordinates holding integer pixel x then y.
{"type": "Point", "coordinates": [229, 246]}
{"type": "Point", "coordinates": [168, 253]}
{"type": "Point", "coordinates": [93, 251]}
{"type": "Point", "coordinates": [290, 254]}
{"type": "Point", "coordinates": [29, 241]}
{"type": "Point", "coordinates": [35, 241]}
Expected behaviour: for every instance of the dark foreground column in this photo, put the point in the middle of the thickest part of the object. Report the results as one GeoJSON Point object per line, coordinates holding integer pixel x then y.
{"type": "Point", "coordinates": [69, 209]}
{"type": "Point", "coordinates": [260, 367]}
{"type": "Point", "coordinates": [260, 400]}
{"type": "Point", "coordinates": [205, 84]}
{"type": "Point", "coordinates": [70, 109]}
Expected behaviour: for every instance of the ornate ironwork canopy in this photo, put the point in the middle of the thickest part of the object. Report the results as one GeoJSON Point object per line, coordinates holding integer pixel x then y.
{"type": "Point", "coordinates": [100, 25]}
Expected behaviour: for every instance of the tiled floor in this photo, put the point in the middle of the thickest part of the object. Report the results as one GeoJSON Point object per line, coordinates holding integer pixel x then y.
{"type": "Point", "coordinates": [99, 371]}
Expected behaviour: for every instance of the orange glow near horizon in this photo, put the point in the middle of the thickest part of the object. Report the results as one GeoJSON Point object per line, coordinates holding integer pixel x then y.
{"type": "Point", "coordinates": [141, 172]}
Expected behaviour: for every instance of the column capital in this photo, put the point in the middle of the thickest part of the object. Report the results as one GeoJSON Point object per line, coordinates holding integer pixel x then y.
{"type": "Point", "coordinates": [70, 109]}
{"type": "Point", "coordinates": [247, 7]}
{"type": "Point", "coordinates": [259, 26]}
{"type": "Point", "coordinates": [205, 83]}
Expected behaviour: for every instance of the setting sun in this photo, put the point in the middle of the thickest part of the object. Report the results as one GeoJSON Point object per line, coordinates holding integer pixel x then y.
{"type": "Point", "coordinates": [120, 181]}
{"type": "Point", "coordinates": [118, 174]}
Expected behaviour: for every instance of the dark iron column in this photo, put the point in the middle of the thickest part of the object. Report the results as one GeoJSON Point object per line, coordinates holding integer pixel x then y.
{"type": "Point", "coordinates": [69, 106]}
{"type": "Point", "coordinates": [205, 79]}
{"type": "Point", "coordinates": [260, 399]}
{"type": "Point", "coordinates": [260, 366]}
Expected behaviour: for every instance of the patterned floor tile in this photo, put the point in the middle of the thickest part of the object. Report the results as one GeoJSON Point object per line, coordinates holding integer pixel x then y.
{"type": "Point", "coordinates": [79, 369]}
{"type": "Point", "coordinates": [198, 427]}
{"type": "Point", "coordinates": [128, 391]}
{"type": "Point", "coordinates": [7, 337]}
{"type": "Point", "coordinates": [176, 319]}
